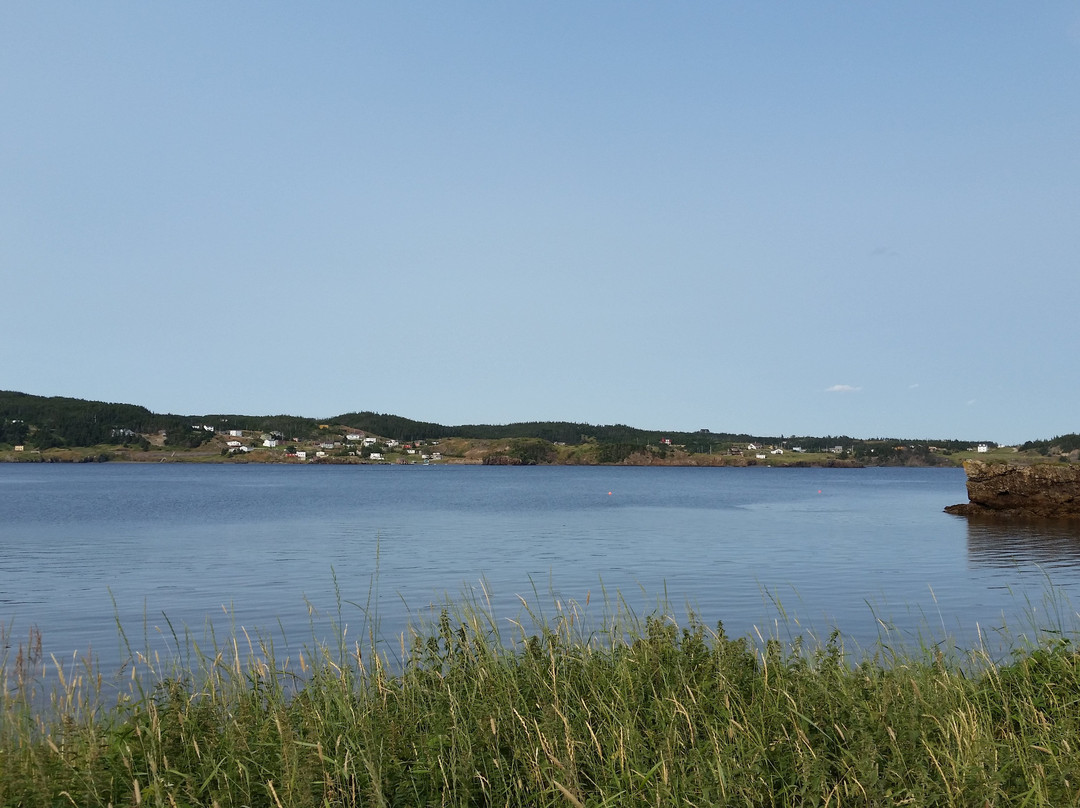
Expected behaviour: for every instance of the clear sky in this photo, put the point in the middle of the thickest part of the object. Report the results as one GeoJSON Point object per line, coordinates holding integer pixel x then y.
{"type": "Point", "coordinates": [774, 218]}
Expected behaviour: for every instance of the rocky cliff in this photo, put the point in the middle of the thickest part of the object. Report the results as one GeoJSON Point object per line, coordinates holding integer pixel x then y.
{"type": "Point", "coordinates": [1040, 491]}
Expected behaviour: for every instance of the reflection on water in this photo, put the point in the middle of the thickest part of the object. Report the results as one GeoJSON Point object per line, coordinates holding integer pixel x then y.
{"type": "Point", "coordinates": [1009, 543]}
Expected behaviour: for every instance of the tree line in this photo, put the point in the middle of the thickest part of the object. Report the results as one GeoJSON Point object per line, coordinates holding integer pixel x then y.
{"type": "Point", "coordinates": [49, 422]}
{"type": "Point", "coordinates": [1062, 444]}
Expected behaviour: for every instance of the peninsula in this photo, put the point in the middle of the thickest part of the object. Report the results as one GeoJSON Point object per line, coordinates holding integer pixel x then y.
{"type": "Point", "coordinates": [57, 429]}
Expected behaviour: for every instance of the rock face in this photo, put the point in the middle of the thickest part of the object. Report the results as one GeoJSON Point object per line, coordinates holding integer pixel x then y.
{"type": "Point", "coordinates": [1040, 491]}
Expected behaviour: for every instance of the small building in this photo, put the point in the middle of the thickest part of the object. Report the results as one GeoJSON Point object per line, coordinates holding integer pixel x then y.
{"type": "Point", "coordinates": [354, 436]}
{"type": "Point", "coordinates": [270, 443]}
{"type": "Point", "coordinates": [236, 433]}
{"type": "Point", "coordinates": [234, 444]}
{"type": "Point", "coordinates": [375, 456]}
{"type": "Point", "coordinates": [982, 448]}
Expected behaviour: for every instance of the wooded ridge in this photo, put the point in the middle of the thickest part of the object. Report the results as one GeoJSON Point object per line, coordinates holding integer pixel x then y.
{"type": "Point", "coordinates": [39, 423]}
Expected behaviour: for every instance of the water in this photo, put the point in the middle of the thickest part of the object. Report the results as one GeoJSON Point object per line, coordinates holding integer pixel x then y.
{"type": "Point", "coordinates": [275, 549]}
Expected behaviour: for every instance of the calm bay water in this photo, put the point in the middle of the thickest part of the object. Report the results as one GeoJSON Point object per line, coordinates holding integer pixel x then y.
{"type": "Point", "coordinates": [866, 550]}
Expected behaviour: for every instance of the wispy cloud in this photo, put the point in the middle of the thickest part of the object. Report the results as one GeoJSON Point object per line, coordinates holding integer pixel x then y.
{"type": "Point", "coordinates": [912, 386]}
{"type": "Point", "coordinates": [884, 252]}
{"type": "Point", "coordinates": [842, 388]}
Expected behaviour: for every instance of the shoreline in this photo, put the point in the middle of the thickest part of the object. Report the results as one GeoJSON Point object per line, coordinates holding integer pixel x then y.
{"type": "Point", "coordinates": [630, 463]}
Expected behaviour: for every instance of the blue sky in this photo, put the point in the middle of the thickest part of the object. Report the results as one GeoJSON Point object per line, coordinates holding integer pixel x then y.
{"type": "Point", "coordinates": [816, 218]}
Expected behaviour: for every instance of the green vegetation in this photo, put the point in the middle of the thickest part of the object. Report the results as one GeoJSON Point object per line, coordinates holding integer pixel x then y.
{"type": "Point", "coordinates": [569, 714]}
{"type": "Point", "coordinates": [186, 437]}
{"type": "Point", "coordinates": [523, 452]}
{"type": "Point", "coordinates": [553, 432]}
{"type": "Point", "coordinates": [1062, 444]}
{"type": "Point", "coordinates": [617, 452]}
{"type": "Point", "coordinates": [46, 423]}
{"type": "Point", "coordinates": [67, 430]}
{"type": "Point", "coordinates": [51, 423]}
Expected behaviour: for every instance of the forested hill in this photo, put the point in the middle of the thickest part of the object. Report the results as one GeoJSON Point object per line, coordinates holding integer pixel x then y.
{"type": "Point", "coordinates": [47, 422]}
{"type": "Point", "coordinates": [1062, 444]}
{"type": "Point", "coordinates": [50, 422]}
{"type": "Point", "coordinates": [394, 426]}
{"type": "Point", "coordinates": [69, 421]}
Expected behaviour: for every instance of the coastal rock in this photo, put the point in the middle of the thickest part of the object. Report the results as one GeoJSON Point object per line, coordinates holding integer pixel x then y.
{"type": "Point", "coordinates": [1039, 491]}
{"type": "Point", "coordinates": [494, 459]}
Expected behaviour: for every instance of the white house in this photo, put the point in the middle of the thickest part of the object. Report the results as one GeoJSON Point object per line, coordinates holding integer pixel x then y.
{"type": "Point", "coordinates": [370, 441]}
{"type": "Point", "coordinates": [982, 447]}
{"type": "Point", "coordinates": [354, 436]}
{"type": "Point", "coordinates": [391, 443]}
{"type": "Point", "coordinates": [269, 443]}
{"type": "Point", "coordinates": [777, 451]}
{"type": "Point", "coordinates": [376, 456]}
{"type": "Point", "coordinates": [301, 455]}
{"type": "Point", "coordinates": [234, 444]}
{"type": "Point", "coordinates": [236, 433]}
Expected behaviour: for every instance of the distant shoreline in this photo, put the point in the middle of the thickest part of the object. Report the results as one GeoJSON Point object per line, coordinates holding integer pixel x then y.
{"type": "Point", "coordinates": [158, 458]}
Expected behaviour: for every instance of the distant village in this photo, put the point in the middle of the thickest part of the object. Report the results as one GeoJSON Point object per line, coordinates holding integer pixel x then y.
{"type": "Point", "coordinates": [334, 445]}
{"type": "Point", "coordinates": [341, 444]}
{"type": "Point", "coordinates": [360, 447]}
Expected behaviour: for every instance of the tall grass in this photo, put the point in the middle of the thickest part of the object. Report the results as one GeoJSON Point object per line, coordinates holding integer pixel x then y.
{"type": "Point", "coordinates": [559, 711]}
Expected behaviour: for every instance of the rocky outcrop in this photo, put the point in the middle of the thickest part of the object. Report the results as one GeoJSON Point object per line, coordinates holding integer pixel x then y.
{"type": "Point", "coordinates": [494, 459]}
{"type": "Point", "coordinates": [1039, 491]}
